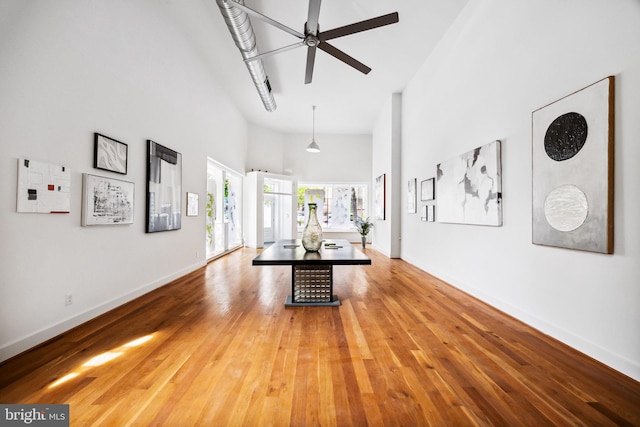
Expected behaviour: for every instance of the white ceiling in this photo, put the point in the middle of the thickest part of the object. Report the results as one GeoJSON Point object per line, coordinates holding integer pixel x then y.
{"type": "Point", "coordinates": [346, 100]}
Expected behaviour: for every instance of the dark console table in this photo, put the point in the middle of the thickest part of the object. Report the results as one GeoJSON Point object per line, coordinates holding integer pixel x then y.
{"type": "Point", "coordinates": [312, 272]}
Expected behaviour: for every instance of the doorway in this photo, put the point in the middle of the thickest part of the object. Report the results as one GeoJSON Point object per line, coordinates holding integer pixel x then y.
{"type": "Point", "coordinates": [268, 218]}
{"type": "Point", "coordinates": [223, 210]}
{"type": "Point", "coordinates": [277, 209]}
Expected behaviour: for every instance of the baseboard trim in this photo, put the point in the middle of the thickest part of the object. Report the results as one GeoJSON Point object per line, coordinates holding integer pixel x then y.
{"type": "Point", "coordinates": [27, 342]}
{"type": "Point", "coordinates": [602, 355]}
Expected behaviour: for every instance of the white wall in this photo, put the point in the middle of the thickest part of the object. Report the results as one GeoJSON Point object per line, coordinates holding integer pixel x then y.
{"type": "Point", "coordinates": [264, 150]}
{"type": "Point", "coordinates": [124, 69]}
{"type": "Point", "coordinates": [500, 61]}
{"type": "Point", "coordinates": [386, 160]}
{"type": "Point", "coordinates": [342, 158]}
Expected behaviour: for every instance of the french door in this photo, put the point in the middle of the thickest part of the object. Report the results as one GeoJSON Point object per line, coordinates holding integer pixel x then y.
{"type": "Point", "coordinates": [223, 210]}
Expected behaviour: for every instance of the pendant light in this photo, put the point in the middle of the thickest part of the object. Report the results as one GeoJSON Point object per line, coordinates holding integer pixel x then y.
{"type": "Point", "coordinates": [313, 147]}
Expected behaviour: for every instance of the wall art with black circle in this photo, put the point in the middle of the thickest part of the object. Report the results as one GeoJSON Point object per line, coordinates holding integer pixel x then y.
{"type": "Point", "coordinates": [572, 179]}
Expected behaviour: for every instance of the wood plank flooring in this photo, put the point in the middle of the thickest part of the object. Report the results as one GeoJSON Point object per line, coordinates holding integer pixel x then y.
{"type": "Point", "coordinates": [218, 347]}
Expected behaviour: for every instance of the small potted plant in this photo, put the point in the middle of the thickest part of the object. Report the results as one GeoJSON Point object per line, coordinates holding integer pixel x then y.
{"type": "Point", "coordinates": [363, 225]}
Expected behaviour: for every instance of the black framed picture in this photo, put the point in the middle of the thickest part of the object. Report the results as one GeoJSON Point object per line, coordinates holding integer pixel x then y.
{"type": "Point", "coordinates": [164, 188]}
{"type": "Point", "coordinates": [426, 189]}
{"type": "Point", "coordinates": [109, 154]}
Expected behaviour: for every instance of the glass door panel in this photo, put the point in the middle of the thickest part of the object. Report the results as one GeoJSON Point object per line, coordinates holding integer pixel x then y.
{"type": "Point", "coordinates": [223, 210]}
{"type": "Point", "coordinates": [233, 211]}
{"type": "Point", "coordinates": [278, 205]}
{"type": "Point", "coordinates": [268, 217]}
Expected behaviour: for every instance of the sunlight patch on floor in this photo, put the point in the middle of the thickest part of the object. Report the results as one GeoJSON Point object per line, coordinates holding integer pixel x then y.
{"type": "Point", "coordinates": [101, 359]}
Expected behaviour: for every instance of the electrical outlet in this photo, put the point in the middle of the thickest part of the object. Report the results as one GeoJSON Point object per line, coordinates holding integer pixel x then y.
{"type": "Point", "coordinates": [68, 299]}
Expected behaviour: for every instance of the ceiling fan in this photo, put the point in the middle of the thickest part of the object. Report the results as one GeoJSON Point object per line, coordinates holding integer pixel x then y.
{"type": "Point", "coordinates": [314, 39]}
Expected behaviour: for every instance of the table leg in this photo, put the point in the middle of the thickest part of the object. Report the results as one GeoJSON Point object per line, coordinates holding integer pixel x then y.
{"type": "Point", "coordinates": [312, 285]}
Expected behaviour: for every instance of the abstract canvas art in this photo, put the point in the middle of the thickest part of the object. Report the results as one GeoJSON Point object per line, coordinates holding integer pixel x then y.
{"type": "Point", "coordinates": [43, 187]}
{"type": "Point", "coordinates": [469, 187]}
{"type": "Point", "coordinates": [164, 188]}
{"type": "Point", "coordinates": [572, 153]}
{"type": "Point", "coordinates": [106, 201]}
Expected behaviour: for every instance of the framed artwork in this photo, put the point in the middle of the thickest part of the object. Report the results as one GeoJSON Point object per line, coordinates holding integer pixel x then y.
{"type": "Point", "coordinates": [109, 154]}
{"type": "Point", "coordinates": [431, 213]}
{"type": "Point", "coordinates": [164, 188]}
{"type": "Point", "coordinates": [380, 197]}
{"type": "Point", "coordinates": [106, 201]}
{"type": "Point", "coordinates": [43, 187]}
{"type": "Point", "coordinates": [412, 201]}
{"type": "Point", "coordinates": [423, 217]}
{"type": "Point", "coordinates": [469, 187]}
{"type": "Point", "coordinates": [192, 204]}
{"type": "Point", "coordinates": [426, 189]}
{"type": "Point", "coordinates": [572, 182]}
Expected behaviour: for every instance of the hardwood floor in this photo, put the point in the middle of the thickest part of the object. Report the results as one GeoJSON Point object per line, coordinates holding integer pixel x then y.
{"type": "Point", "coordinates": [218, 347]}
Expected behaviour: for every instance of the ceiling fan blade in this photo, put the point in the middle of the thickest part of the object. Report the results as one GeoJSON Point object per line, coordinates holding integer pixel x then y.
{"type": "Point", "coordinates": [311, 58]}
{"type": "Point", "coordinates": [337, 53]}
{"type": "Point", "coordinates": [311, 27]}
{"type": "Point", "coordinates": [266, 19]}
{"type": "Point", "coordinates": [357, 27]}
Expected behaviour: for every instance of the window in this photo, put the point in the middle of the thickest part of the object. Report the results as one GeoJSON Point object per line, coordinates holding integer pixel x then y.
{"type": "Point", "coordinates": [338, 204]}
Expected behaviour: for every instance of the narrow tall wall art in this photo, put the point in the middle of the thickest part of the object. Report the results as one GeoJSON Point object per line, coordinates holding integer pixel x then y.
{"type": "Point", "coordinates": [572, 153]}
{"type": "Point", "coordinates": [164, 188]}
{"type": "Point", "coordinates": [380, 201]}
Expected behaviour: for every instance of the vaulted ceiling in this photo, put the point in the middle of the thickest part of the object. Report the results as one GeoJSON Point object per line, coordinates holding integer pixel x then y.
{"type": "Point", "coordinates": [347, 101]}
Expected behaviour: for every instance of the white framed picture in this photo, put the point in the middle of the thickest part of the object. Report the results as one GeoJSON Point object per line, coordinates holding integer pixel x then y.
{"type": "Point", "coordinates": [106, 201]}
{"type": "Point", "coordinates": [412, 204]}
{"type": "Point", "coordinates": [192, 204]}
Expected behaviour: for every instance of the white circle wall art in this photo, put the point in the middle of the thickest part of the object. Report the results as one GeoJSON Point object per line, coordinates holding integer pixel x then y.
{"type": "Point", "coordinates": [566, 208]}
